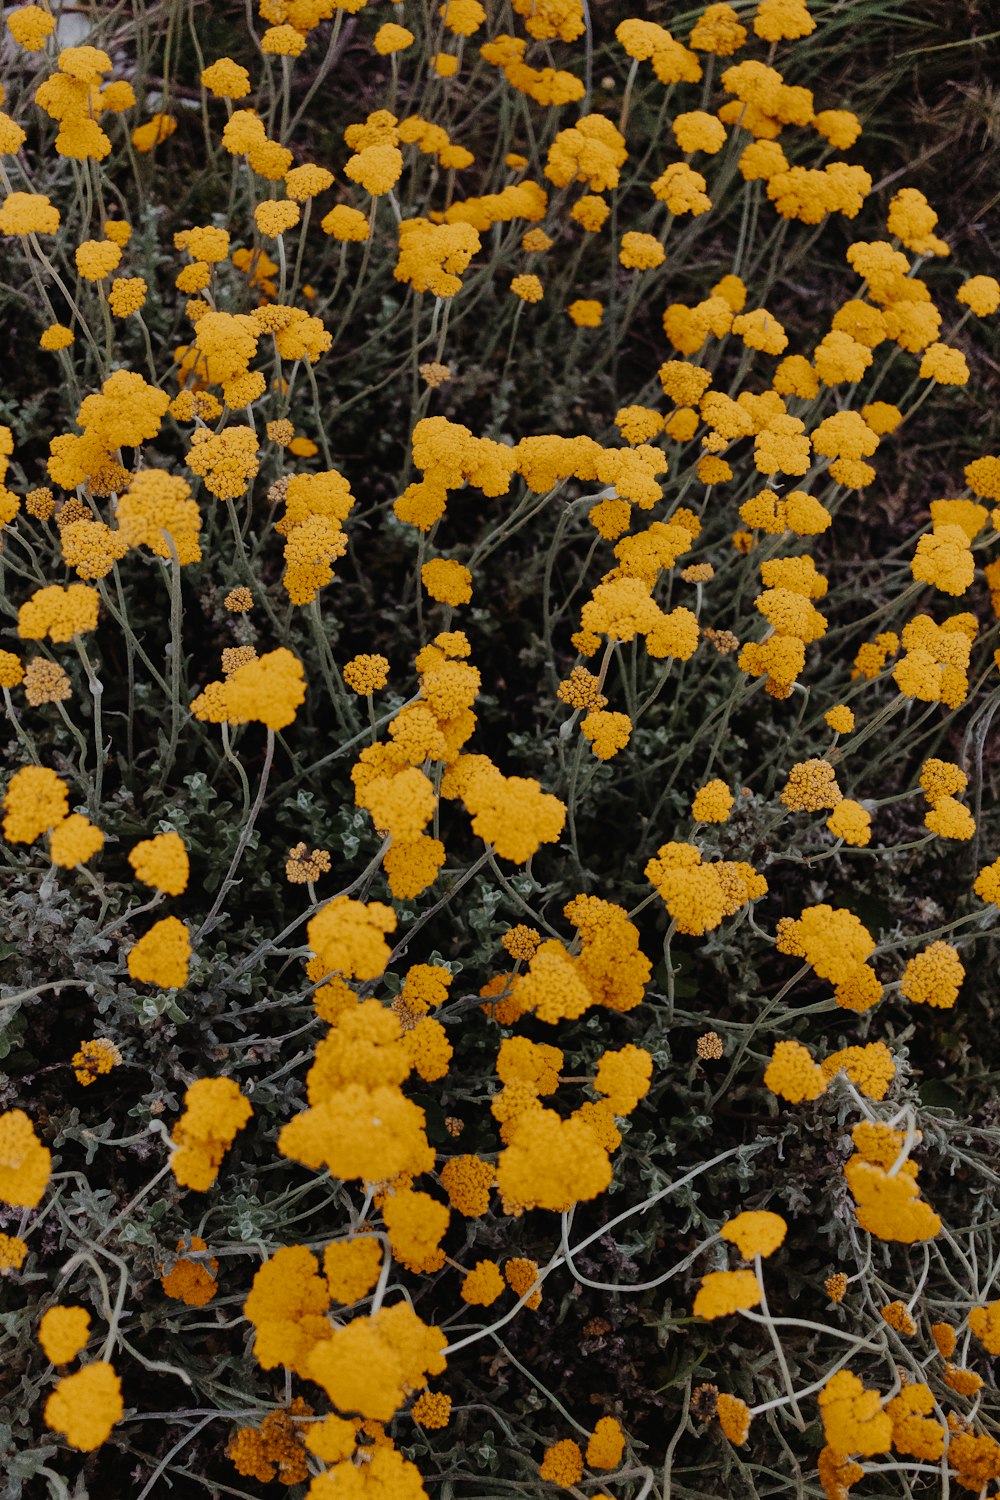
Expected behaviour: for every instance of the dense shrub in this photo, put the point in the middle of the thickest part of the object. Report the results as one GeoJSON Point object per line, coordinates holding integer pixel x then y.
{"type": "Point", "coordinates": [500, 657]}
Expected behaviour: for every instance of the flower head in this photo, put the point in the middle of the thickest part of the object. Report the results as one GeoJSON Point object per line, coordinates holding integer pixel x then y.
{"type": "Point", "coordinates": [724, 1292]}
{"type": "Point", "coordinates": [74, 841]}
{"type": "Point", "coordinates": [755, 1232]}
{"type": "Point", "coordinates": [36, 800]}
{"type": "Point", "coordinates": [25, 1163]}
{"type": "Point", "coordinates": [190, 1281]}
{"type": "Point", "coordinates": [226, 79]}
{"type": "Point", "coordinates": [94, 1059]}
{"type": "Point", "coordinates": [28, 213]}
{"type": "Point", "coordinates": [214, 1113]}
{"type": "Point", "coordinates": [85, 1406]}
{"type": "Point", "coordinates": [58, 612]}
{"type": "Point", "coordinates": [161, 862]}
{"type": "Point", "coordinates": [31, 26]}
{"type": "Point", "coordinates": [162, 955]}
{"type": "Point", "coordinates": [63, 1332]}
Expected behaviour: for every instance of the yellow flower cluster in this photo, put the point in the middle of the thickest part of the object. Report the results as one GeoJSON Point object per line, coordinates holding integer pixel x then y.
{"type": "Point", "coordinates": [700, 894]}
{"type": "Point", "coordinates": [550, 242]}
{"type": "Point", "coordinates": [837, 945]}
{"type": "Point", "coordinates": [214, 1113]}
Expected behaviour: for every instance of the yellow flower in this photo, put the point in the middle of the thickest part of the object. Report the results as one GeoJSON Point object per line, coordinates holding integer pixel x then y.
{"type": "Point", "coordinates": [641, 252]}
{"type": "Point", "coordinates": [214, 1113]}
{"type": "Point", "coordinates": [25, 1164]}
{"type": "Point", "coordinates": [606, 1445]}
{"type": "Point", "coordinates": [348, 937]}
{"type": "Point", "coordinates": [226, 79]}
{"type": "Point", "coordinates": [191, 1281]}
{"type": "Point", "coordinates": [31, 26]}
{"type": "Point", "coordinates": [376, 168]}
{"type": "Point", "coordinates": [162, 955]}
{"type": "Point", "coordinates": [889, 1207]}
{"type": "Point", "coordinates": [84, 63]}
{"type": "Point", "coordinates": [372, 1364]}
{"type": "Point", "coordinates": [712, 803]}
{"type": "Point", "coordinates": [56, 336]}
{"type": "Point", "coordinates": [562, 1464]}
{"type": "Point", "coordinates": [432, 1409]}
{"type": "Point", "coordinates": [74, 841]}
{"type": "Point", "coordinates": [840, 719]}
{"type": "Point", "coordinates": [11, 669]}
{"type": "Point", "coordinates": [206, 242]}
{"type": "Point", "coordinates": [981, 294]}
{"type": "Point", "coordinates": [28, 213]}
{"type": "Point", "coordinates": [96, 259]}
{"type": "Point", "coordinates": [607, 732]}
{"type": "Point", "coordinates": [985, 1324]}
{"type": "Point", "coordinates": [63, 1332]}
{"type": "Point", "coordinates": [944, 364]}
{"type": "Point", "coordinates": [307, 181]}
{"type": "Point", "coordinates": [512, 813]}
{"type": "Point", "coordinates": [391, 37]}
{"type": "Point", "coordinates": [36, 800]}
{"type": "Point", "coordinates": [239, 600]}
{"type": "Point", "coordinates": [521, 1275]}
{"type": "Point", "coordinates": [896, 1315]}
{"type": "Point", "coordinates": [365, 675]}
{"type": "Point", "coordinates": [352, 1267]}
{"type": "Point", "coordinates": [912, 220]}
{"type": "Point", "coordinates": [93, 1059]}
{"type": "Point", "coordinates": [269, 690]}
{"type": "Point", "coordinates": [345, 223]}
{"type": "Point", "coordinates": [853, 1419]}
{"type": "Point", "coordinates": [275, 215]}
{"type": "Point", "coordinates": [792, 1074]}
{"type": "Point", "coordinates": [734, 1418]}
{"type": "Point", "coordinates": [157, 510]}
{"type": "Point", "coordinates": [839, 126]}
{"type": "Point", "coordinates": [550, 1163]}
{"type": "Point", "coordinates": [811, 785]}
{"type": "Point", "coordinates": [718, 30]}
{"type": "Point", "coordinates": [282, 41]}
{"type": "Point", "coordinates": [528, 288]}
{"type": "Point", "coordinates": [759, 329]}
{"type": "Point", "coordinates": [45, 682]}
{"type": "Point", "coordinates": [623, 1077]}
{"type": "Point", "coordinates": [483, 1285]}
{"type": "Point", "coordinates": [586, 312]}
{"type": "Point", "coordinates": [682, 189]}
{"type": "Point", "coordinates": [13, 1251]}
{"type": "Point", "coordinates": [91, 547]}
{"type": "Point", "coordinates": [870, 1068]}
{"type": "Point", "coordinates": [372, 1134]}
{"type": "Point", "coordinates": [591, 212]}
{"type": "Point", "coordinates": [933, 977]}
{"type": "Point", "coordinates": [965, 1382]}
{"type": "Point", "coordinates": [447, 581]}
{"type": "Point", "coordinates": [40, 502]}
{"type": "Point", "coordinates": [724, 1292]}
{"type": "Point", "coordinates": [161, 862]}
{"type": "Point", "coordinates": [467, 1181]}
{"type": "Point", "coordinates": [783, 20]}
{"type": "Point", "coordinates": [948, 818]}
{"type": "Point", "coordinates": [462, 17]}
{"type": "Point", "coordinates": [851, 822]}
{"type": "Point", "coordinates": [755, 1232]}
{"type": "Point", "coordinates": [85, 1407]}
{"type": "Point", "coordinates": [698, 131]}
{"type": "Point", "coordinates": [127, 295]}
